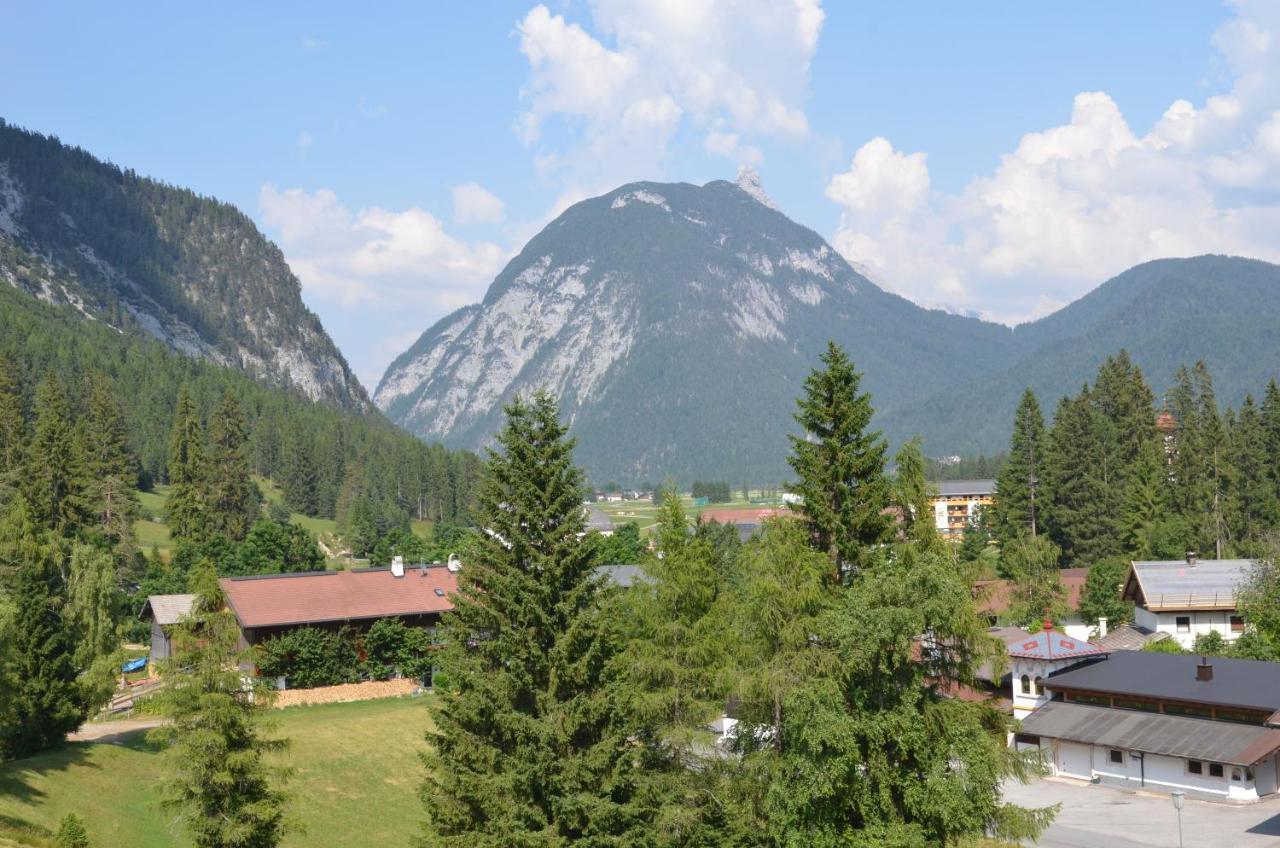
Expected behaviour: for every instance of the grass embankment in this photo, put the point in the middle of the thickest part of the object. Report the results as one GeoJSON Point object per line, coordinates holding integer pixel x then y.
{"type": "Point", "coordinates": [356, 776]}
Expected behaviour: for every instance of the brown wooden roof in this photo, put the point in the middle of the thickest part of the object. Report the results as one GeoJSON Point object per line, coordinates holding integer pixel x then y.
{"type": "Point", "coordinates": [323, 596]}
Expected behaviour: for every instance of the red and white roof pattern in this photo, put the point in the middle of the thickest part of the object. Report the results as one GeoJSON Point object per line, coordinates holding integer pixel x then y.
{"type": "Point", "coordinates": [1050, 645]}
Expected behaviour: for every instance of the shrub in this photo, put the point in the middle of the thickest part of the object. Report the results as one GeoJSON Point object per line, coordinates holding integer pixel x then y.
{"type": "Point", "coordinates": [308, 657]}
{"type": "Point", "coordinates": [71, 833]}
{"type": "Point", "coordinates": [391, 647]}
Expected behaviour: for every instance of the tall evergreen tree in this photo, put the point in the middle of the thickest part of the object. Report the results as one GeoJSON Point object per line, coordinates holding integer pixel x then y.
{"type": "Point", "coordinates": [111, 467]}
{"type": "Point", "coordinates": [221, 785]}
{"type": "Point", "coordinates": [186, 511]}
{"type": "Point", "coordinates": [1253, 509]}
{"type": "Point", "coordinates": [1270, 415]}
{"type": "Point", "coordinates": [1079, 516]}
{"type": "Point", "coordinates": [528, 750]}
{"type": "Point", "coordinates": [913, 494]}
{"type": "Point", "coordinates": [231, 497]}
{"type": "Point", "coordinates": [300, 483]}
{"type": "Point", "coordinates": [46, 702]}
{"type": "Point", "coordinates": [839, 461]}
{"type": "Point", "coordinates": [1199, 466]}
{"type": "Point", "coordinates": [56, 483]}
{"type": "Point", "coordinates": [1019, 502]}
{"type": "Point", "coordinates": [1149, 527]}
{"type": "Point", "coordinates": [12, 431]}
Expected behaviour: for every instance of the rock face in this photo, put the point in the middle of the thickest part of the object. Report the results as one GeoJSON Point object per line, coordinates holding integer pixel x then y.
{"type": "Point", "coordinates": [676, 323]}
{"type": "Point", "coordinates": [146, 257]}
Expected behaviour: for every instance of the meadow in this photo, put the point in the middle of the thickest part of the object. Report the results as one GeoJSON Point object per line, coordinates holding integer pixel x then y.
{"type": "Point", "coordinates": [356, 775]}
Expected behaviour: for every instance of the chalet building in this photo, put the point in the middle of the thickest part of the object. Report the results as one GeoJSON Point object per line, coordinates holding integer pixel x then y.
{"type": "Point", "coordinates": [164, 611]}
{"type": "Point", "coordinates": [273, 604]}
{"type": "Point", "coordinates": [1032, 658]}
{"type": "Point", "coordinates": [1142, 719]}
{"type": "Point", "coordinates": [599, 521]}
{"type": "Point", "coordinates": [957, 501]}
{"type": "Point", "coordinates": [994, 598]}
{"type": "Point", "coordinates": [1188, 597]}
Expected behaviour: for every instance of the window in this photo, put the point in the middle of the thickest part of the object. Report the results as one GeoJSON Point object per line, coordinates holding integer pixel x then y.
{"type": "Point", "coordinates": [1183, 623]}
{"type": "Point", "coordinates": [1026, 685]}
{"type": "Point", "coordinates": [1026, 739]}
{"type": "Point", "coordinates": [1039, 686]}
{"type": "Point", "coordinates": [1195, 767]}
{"type": "Point", "coordinates": [1237, 624]}
{"type": "Point", "coordinates": [1236, 774]}
{"type": "Point", "coordinates": [1116, 756]}
{"type": "Point", "coordinates": [1215, 769]}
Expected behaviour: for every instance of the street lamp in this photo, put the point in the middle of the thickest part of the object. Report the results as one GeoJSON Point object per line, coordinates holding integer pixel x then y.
{"type": "Point", "coordinates": [1178, 795]}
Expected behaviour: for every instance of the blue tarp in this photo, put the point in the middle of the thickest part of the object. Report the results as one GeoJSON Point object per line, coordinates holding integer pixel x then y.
{"type": "Point", "coordinates": [134, 665]}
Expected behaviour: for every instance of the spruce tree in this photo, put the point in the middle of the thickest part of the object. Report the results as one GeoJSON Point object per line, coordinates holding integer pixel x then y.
{"type": "Point", "coordinates": [46, 702]}
{"type": "Point", "coordinates": [186, 511]}
{"type": "Point", "coordinates": [221, 784]}
{"type": "Point", "coordinates": [1019, 501]}
{"type": "Point", "coordinates": [56, 482]}
{"type": "Point", "coordinates": [913, 494]}
{"type": "Point", "coordinates": [231, 498]}
{"type": "Point", "coordinates": [1147, 522]}
{"type": "Point", "coordinates": [840, 462]}
{"type": "Point", "coordinates": [300, 483]}
{"type": "Point", "coordinates": [1199, 467]}
{"type": "Point", "coordinates": [527, 749]}
{"type": "Point", "coordinates": [12, 431]}
{"type": "Point", "coordinates": [1270, 415]}
{"type": "Point", "coordinates": [1253, 509]}
{"type": "Point", "coordinates": [1079, 517]}
{"type": "Point", "coordinates": [111, 468]}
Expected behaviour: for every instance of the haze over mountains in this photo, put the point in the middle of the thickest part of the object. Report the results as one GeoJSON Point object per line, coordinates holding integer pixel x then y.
{"type": "Point", "coordinates": [676, 322]}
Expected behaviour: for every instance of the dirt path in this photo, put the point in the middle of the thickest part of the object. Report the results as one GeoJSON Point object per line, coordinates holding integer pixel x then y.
{"type": "Point", "coordinates": [113, 731]}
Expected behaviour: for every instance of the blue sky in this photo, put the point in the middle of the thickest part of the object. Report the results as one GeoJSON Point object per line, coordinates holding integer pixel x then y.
{"type": "Point", "coordinates": [995, 158]}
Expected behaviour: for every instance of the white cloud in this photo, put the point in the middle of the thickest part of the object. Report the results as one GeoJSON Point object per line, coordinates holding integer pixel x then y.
{"type": "Point", "coordinates": [475, 204]}
{"type": "Point", "coordinates": [733, 70]}
{"type": "Point", "coordinates": [304, 141]}
{"type": "Point", "coordinates": [375, 258]}
{"type": "Point", "coordinates": [1074, 204]}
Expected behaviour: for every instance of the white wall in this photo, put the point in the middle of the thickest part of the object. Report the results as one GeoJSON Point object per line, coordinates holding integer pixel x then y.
{"type": "Point", "coordinates": [1202, 622]}
{"type": "Point", "coordinates": [1159, 772]}
{"type": "Point", "coordinates": [1018, 666]}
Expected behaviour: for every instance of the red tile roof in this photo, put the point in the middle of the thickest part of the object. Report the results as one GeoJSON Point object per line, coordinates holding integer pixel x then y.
{"type": "Point", "coordinates": [365, 593]}
{"type": "Point", "coordinates": [997, 595]}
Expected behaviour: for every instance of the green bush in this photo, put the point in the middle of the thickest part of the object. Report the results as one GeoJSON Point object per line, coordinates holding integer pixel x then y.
{"type": "Point", "coordinates": [308, 657]}
{"type": "Point", "coordinates": [71, 833]}
{"type": "Point", "coordinates": [391, 647]}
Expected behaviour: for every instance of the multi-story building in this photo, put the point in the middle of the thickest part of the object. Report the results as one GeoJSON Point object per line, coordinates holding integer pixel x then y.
{"type": "Point", "coordinates": [957, 501]}
{"type": "Point", "coordinates": [1188, 597]}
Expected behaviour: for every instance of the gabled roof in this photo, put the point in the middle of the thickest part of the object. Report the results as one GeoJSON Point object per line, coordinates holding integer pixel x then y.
{"type": "Point", "coordinates": [1130, 637]}
{"type": "Point", "coordinates": [1186, 584]}
{"type": "Point", "coordinates": [622, 576]}
{"type": "Point", "coordinates": [322, 596]}
{"type": "Point", "coordinates": [1153, 733]}
{"type": "Point", "coordinates": [1240, 684]}
{"type": "Point", "coordinates": [1045, 645]}
{"type": "Point", "coordinates": [960, 488]}
{"type": "Point", "coordinates": [996, 595]}
{"type": "Point", "coordinates": [167, 609]}
{"type": "Point", "coordinates": [598, 519]}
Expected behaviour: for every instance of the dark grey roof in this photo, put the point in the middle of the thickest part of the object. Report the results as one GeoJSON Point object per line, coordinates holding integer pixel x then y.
{"type": "Point", "coordinates": [168, 609]}
{"type": "Point", "coordinates": [1247, 684]}
{"type": "Point", "coordinates": [959, 488]}
{"type": "Point", "coordinates": [597, 519]}
{"type": "Point", "coordinates": [1129, 637]}
{"type": "Point", "coordinates": [622, 576]}
{"type": "Point", "coordinates": [1153, 733]}
{"type": "Point", "coordinates": [1176, 584]}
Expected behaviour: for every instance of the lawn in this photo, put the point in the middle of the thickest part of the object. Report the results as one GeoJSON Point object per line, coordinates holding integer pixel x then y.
{"type": "Point", "coordinates": [355, 782]}
{"type": "Point", "coordinates": [645, 513]}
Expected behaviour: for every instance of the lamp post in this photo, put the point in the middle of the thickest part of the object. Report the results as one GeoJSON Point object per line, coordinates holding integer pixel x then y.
{"type": "Point", "coordinates": [1178, 795]}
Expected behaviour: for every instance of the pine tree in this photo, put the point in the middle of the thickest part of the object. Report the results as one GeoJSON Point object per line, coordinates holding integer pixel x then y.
{"type": "Point", "coordinates": [1253, 509]}
{"type": "Point", "coordinates": [111, 468]}
{"type": "Point", "coordinates": [46, 702]}
{"type": "Point", "coordinates": [1147, 525]}
{"type": "Point", "coordinates": [1079, 518]}
{"type": "Point", "coordinates": [12, 431]}
{"type": "Point", "coordinates": [1270, 415]}
{"type": "Point", "coordinates": [1199, 467]}
{"type": "Point", "coordinates": [231, 499]}
{"type": "Point", "coordinates": [186, 511]}
{"type": "Point", "coordinates": [527, 749]}
{"type": "Point", "coordinates": [56, 484]}
{"type": "Point", "coordinates": [71, 833]}
{"type": "Point", "coordinates": [301, 485]}
{"type": "Point", "coordinates": [840, 464]}
{"type": "Point", "coordinates": [220, 783]}
{"type": "Point", "coordinates": [1019, 501]}
{"type": "Point", "coordinates": [913, 494]}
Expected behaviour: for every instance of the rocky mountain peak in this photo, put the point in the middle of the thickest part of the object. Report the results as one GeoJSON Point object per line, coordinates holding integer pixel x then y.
{"type": "Point", "coordinates": [749, 181]}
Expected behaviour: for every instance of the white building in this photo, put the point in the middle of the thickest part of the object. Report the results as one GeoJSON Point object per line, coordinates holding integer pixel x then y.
{"type": "Point", "coordinates": [1033, 657]}
{"type": "Point", "coordinates": [1188, 597]}
{"type": "Point", "coordinates": [1148, 720]}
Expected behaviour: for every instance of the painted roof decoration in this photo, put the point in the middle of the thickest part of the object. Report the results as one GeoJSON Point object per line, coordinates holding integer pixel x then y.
{"type": "Point", "coordinates": [1050, 645]}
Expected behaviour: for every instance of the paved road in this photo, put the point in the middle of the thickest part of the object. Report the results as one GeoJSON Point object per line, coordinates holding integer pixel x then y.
{"type": "Point", "coordinates": [1094, 816]}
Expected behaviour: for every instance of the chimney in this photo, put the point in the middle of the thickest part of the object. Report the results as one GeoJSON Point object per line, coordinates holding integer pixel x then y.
{"type": "Point", "coordinates": [397, 566]}
{"type": "Point", "coordinates": [1102, 626]}
{"type": "Point", "coordinates": [1204, 671]}
{"type": "Point", "coordinates": [1191, 559]}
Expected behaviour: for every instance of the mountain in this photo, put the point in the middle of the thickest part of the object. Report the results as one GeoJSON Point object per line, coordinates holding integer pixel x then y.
{"type": "Point", "coordinates": [677, 324]}
{"type": "Point", "coordinates": [151, 259]}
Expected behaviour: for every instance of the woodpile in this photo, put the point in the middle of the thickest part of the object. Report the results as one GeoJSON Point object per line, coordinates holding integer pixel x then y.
{"type": "Point", "coordinates": [367, 691]}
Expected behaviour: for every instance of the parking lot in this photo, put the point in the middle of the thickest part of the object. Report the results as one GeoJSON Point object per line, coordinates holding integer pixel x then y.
{"type": "Point", "coordinates": [1093, 816]}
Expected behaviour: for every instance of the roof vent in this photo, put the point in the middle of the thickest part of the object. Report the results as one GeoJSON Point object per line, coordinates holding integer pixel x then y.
{"type": "Point", "coordinates": [1191, 559]}
{"type": "Point", "coordinates": [455, 564]}
{"type": "Point", "coordinates": [1204, 671]}
{"type": "Point", "coordinates": [397, 566]}
{"type": "Point", "coordinates": [439, 592]}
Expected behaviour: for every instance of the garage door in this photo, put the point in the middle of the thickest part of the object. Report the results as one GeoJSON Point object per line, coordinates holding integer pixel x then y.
{"type": "Point", "coordinates": [1075, 760]}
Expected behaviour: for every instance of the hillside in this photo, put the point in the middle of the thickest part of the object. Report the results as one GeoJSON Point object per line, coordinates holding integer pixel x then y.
{"type": "Point", "coordinates": [150, 259]}
{"type": "Point", "coordinates": [677, 323]}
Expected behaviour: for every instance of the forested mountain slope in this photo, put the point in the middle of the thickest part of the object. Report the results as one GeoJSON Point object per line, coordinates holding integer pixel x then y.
{"type": "Point", "coordinates": [149, 258]}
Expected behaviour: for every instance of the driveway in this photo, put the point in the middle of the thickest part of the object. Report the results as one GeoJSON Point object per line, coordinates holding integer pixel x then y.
{"type": "Point", "coordinates": [1102, 816]}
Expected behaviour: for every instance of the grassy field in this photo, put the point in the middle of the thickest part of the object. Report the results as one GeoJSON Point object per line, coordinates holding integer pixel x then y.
{"type": "Point", "coordinates": [355, 782]}
{"type": "Point", "coordinates": [645, 513]}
